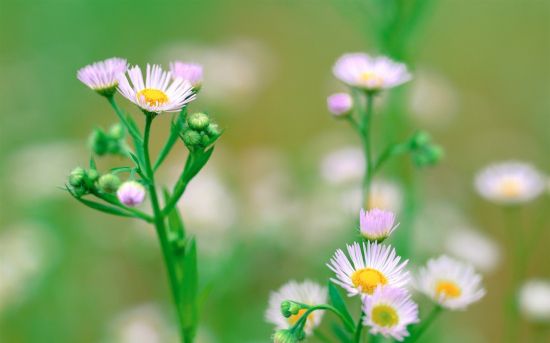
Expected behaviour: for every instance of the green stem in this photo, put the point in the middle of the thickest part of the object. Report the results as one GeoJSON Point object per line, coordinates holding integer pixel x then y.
{"type": "Point", "coordinates": [114, 201]}
{"type": "Point", "coordinates": [359, 328]}
{"type": "Point", "coordinates": [365, 125]}
{"type": "Point", "coordinates": [302, 320]}
{"type": "Point", "coordinates": [518, 266]}
{"type": "Point", "coordinates": [159, 219]}
{"type": "Point", "coordinates": [426, 323]}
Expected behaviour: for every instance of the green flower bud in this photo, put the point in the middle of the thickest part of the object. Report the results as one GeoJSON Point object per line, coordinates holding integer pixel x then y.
{"type": "Point", "coordinates": [205, 140]}
{"type": "Point", "coordinates": [76, 177]}
{"type": "Point", "coordinates": [99, 142]}
{"type": "Point", "coordinates": [116, 131]}
{"type": "Point", "coordinates": [79, 191]}
{"type": "Point", "coordinates": [92, 174]}
{"type": "Point", "coordinates": [191, 138]}
{"type": "Point", "coordinates": [109, 183]}
{"type": "Point", "coordinates": [289, 308]}
{"type": "Point", "coordinates": [213, 130]}
{"type": "Point", "coordinates": [198, 121]}
{"type": "Point", "coordinates": [284, 336]}
{"type": "Point", "coordinates": [421, 139]}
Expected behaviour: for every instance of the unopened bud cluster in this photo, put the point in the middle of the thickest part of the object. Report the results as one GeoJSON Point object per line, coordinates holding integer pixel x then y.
{"type": "Point", "coordinates": [199, 132]}
{"type": "Point", "coordinates": [108, 142]}
{"type": "Point", "coordinates": [425, 153]}
{"type": "Point", "coordinates": [83, 181]}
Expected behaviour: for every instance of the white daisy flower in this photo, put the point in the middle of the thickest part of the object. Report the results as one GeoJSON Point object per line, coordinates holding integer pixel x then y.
{"type": "Point", "coordinates": [158, 93]}
{"type": "Point", "coordinates": [534, 300]}
{"type": "Point", "coordinates": [371, 73]}
{"type": "Point", "coordinates": [375, 265]}
{"type": "Point", "coordinates": [376, 224]}
{"type": "Point", "coordinates": [103, 76]}
{"type": "Point", "coordinates": [307, 292]}
{"type": "Point", "coordinates": [452, 284]}
{"type": "Point", "coordinates": [388, 312]}
{"type": "Point", "coordinates": [386, 195]}
{"type": "Point", "coordinates": [509, 182]}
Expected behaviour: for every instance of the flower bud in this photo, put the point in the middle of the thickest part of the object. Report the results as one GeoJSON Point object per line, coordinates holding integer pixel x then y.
{"type": "Point", "coordinates": [289, 308]}
{"type": "Point", "coordinates": [284, 336]}
{"type": "Point", "coordinates": [131, 193]}
{"type": "Point", "coordinates": [190, 72]}
{"type": "Point", "coordinates": [92, 175]}
{"type": "Point", "coordinates": [76, 177]}
{"type": "Point", "coordinates": [116, 131]}
{"type": "Point", "coordinates": [213, 130]}
{"type": "Point", "coordinates": [205, 140]}
{"type": "Point", "coordinates": [109, 183]}
{"type": "Point", "coordinates": [191, 138]}
{"type": "Point", "coordinates": [198, 121]}
{"type": "Point", "coordinates": [340, 104]}
{"type": "Point", "coordinates": [99, 142]}
{"type": "Point", "coordinates": [421, 139]}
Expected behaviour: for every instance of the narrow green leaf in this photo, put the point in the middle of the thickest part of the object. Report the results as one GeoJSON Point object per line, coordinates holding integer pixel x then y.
{"type": "Point", "coordinates": [121, 170]}
{"type": "Point", "coordinates": [188, 295]}
{"type": "Point", "coordinates": [100, 207]}
{"type": "Point", "coordinates": [92, 162]}
{"type": "Point", "coordinates": [338, 302]}
{"type": "Point", "coordinates": [175, 223]}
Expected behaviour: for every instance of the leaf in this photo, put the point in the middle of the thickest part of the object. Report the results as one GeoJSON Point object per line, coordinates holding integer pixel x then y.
{"type": "Point", "coordinates": [92, 162]}
{"type": "Point", "coordinates": [196, 161]}
{"type": "Point", "coordinates": [100, 207]}
{"type": "Point", "coordinates": [175, 223]}
{"type": "Point", "coordinates": [121, 170]}
{"type": "Point", "coordinates": [188, 294]}
{"type": "Point", "coordinates": [343, 337]}
{"type": "Point", "coordinates": [172, 139]}
{"type": "Point", "coordinates": [338, 302]}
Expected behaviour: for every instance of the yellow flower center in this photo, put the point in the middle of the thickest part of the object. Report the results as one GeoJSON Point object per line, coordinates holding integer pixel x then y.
{"type": "Point", "coordinates": [371, 79]}
{"type": "Point", "coordinates": [510, 188]}
{"type": "Point", "coordinates": [384, 315]}
{"type": "Point", "coordinates": [368, 279]}
{"type": "Point", "coordinates": [152, 96]}
{"type": "Point", "coordinates": [448, 289]}
{"type": "Point", "coordinates": [295, 317]}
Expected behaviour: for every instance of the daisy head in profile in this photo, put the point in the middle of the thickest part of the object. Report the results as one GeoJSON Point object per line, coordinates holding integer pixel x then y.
{"type": "Point", "coordinates": [367, 267]}
{"type": "Point", "coordinates": [452, 284]}
{"type": "Point", "coordinates": [376, 224]}
{"type": "Point", "coordinates": [388, 312]}
{"type": "Point", "coordinates": [363, 71]}
{"type": "Point", "coordinates": [190, 72]}
{"type": "Point", "coordinates": [308, 293]}
{"type": "Point", "coordinates": [156, 92]}
{"type": "Point", "coordinates": [103, 76]}
{"type": "Point", "coordinates": [509, 182]}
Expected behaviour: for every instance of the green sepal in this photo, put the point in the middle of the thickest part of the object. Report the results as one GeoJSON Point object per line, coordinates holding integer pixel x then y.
{"type": "Point", "coordinates": [92, 162]}
{"type": "Point", "coordinates": [118, 170]}
{"type": "Point", "coordinates": [338, 302]}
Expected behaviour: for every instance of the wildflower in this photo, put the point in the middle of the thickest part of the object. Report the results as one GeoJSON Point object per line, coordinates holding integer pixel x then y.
{"type": "Point", "coordinates": [388, 312]}
{"type": "Point", "coordinates": [370, 73]}
{"type": "Point", "coordinates": [189, 72]}
{"type": "Point", "coordinates": [156, 93]}
{"type": "Point", "coordinates": [376, 224]}
{"type": "Point", "coordinates": [534, 300]}
{"type": "Point", "coordinates": [386, 195]}
{"type": "Point", "coordinates": [340, 104]}
{"type": "Point", "coordinates": [375, 265]}
{"type": "Point", "coordinates": [452, 284]}
{"type": "Point", "coordinates": [131, 193]}
{"type": "Point", "coordinates": [509, 182]}
{"type": "Point", "coordinates": [103, 76]}
{"type": "Point", "coordinates": [307, 292]}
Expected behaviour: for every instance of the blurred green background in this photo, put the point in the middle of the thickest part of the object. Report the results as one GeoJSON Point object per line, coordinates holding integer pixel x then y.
{"type": "Point", "coordinates": [266, 209]}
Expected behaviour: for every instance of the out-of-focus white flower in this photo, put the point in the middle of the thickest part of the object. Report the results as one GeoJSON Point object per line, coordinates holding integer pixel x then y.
{"type": "Point", "coordinates": [190, 72]}
{"type": "Point", "coordinates": [433, 100]}
{"type": "Point", "coordinates": [343, 165]}
{"type": "Point", "coordinates": [534, 300]}
{"type": "Point", "coordinates": [142, 324]}
{"type": "Point", "coordinates": [103, 76]}
{"type": "Point", "coordinates": [452, 284]}
{"type": "Point", "coordinates": [235, 71]}
{"type": "Point", "coordinates": [24, 255]}
{"type": "Point", "coordinates": [36, 171]}
{"type": "Point", "coordinates": [371, 73]}
{"type": "Point", "coordinates": [389, 311]}
{"type": "Point", "coordinates": [509, 182]}
{"type": "Point", "coordinates": [473, 247]}
{"type": "Point", "coordinates": [386, 195]}
{"type": "Point", "coordinates": [374, 265]}
{"type": "Point", "coordinates": [157, 92]}
{"type": "Point", "coordinates": [307, 292]}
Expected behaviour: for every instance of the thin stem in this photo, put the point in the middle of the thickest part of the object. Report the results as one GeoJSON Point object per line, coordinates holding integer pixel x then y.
{"type": "Point", "coordinates": [302, 320]}
{"type": "Point", "coordinates": [159, 218]}
{"type": "Point", "coordinates": [118, 111]}
{"type": "Point", "coordinates": [518, 266]}
{"type": "Point", "coordinates": [365, 125]}
{"type": "Point", "coordinates": [426, 324]}
{"type": "Point", "coordinates": [359, 328]}
{"type": "Point", "coordinates": [114, 201]}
